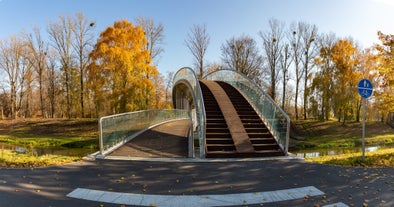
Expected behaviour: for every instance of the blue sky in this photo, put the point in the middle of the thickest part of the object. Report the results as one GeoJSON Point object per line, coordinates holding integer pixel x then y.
{"type": "Point", "coordinates": [225, 19]}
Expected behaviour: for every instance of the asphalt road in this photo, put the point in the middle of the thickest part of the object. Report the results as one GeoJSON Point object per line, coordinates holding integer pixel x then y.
{"type": "Point", "coordinates": [49, 186]}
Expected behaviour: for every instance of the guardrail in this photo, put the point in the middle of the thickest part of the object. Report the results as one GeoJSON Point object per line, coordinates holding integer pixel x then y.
{"type": "Point", "coordinates": [188, 77]}
{"type": "Point", "coordinates": [273, 116]}
{"type": "Point", "coordinates": [116, 130]}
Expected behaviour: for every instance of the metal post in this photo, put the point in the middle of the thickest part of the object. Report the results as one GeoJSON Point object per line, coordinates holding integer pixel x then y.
{"type": "Point", "coordinates": [363, 134]}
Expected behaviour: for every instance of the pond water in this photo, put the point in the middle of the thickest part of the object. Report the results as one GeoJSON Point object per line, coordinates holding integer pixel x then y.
{"type": "Point", "coordinates": [306, 153]}
{"type": "Point", "coordinates": [49, 151]}
{"type": "Point", "coordinates": [309, 153]}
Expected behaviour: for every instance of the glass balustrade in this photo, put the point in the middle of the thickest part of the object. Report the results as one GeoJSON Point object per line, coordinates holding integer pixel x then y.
{"type": "Point", "coordinates": [118, 129]}
{"type": "Point", "coordinates": [273, 116]}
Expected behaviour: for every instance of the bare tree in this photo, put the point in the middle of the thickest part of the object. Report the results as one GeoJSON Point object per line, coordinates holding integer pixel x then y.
{"type": "Point", "coordinates": [25, 105]}
{"type": "Point", "coordinates": [296, 47]}
{"type": "Point", "coordinates": [242, 54]}
{"type": "Point", "coordinates": [197, 42]}
{"type": "Point", "coordinates": [12, 62]}
{"type": "Point", "coordinates": [169, 79]}
{"type": "Point", "coordinates": [60, 34]}
{"type": "Point", "coordinates": [272, 46]}
{"type": "Point", "coordinates": [154, 35]}
{"type": "Point", "coordinates": [308, 35]}
{"type": "Point", "coordinates": [83, 42]}
{"type": "Point", "coordinates": [52, 81]}
{"type": "Point", "coordinates": [38, 50]}
{"type": "Point", "coordinates": [285, 62]}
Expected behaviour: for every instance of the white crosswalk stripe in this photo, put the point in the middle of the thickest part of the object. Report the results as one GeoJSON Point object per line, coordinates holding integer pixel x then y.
{"type": "Point", "coordinates": [197, 200]}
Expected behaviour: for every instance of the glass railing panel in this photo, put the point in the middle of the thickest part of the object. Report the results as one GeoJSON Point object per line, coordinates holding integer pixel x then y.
{"type": "Point", "coordinates": [188, 75]}
{"type": "Point", "coordinates": [117, 129]}
{"type": "Point", "coordinates": [273, 116]}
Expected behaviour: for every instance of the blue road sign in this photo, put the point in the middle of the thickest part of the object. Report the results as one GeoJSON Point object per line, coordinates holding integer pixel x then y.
{"type": "Point", "coordinates": [365, 88]}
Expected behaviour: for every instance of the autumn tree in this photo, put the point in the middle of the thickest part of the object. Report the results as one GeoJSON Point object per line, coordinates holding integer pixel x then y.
{"type": "Point", "coordinates": [385, 87]}
{"type": "Point", "coordinates": [241, 54]}
{"type": "Point", "coordinates": [197, 42]}
{"type": "Point", "coordinates": [121, 71]}
{"type": "Point", "coordinates": [323, 81]}
{"type": "Point", "coordinates": [272, 47]}
{"type": "Point", "coordinates": [344, 57]}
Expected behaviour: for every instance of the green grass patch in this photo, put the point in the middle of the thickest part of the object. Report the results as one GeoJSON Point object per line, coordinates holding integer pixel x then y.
{"type": "Point", "coordinates": [332, 134]}
{"type": "Point", "coordinates": [50, 133]}
{"type": "Point", "coordinates": [379, 158]}
{"type": "Point", "coordinates": [71, 138]}
{"type": "Point", "coordinates": [11, 159]}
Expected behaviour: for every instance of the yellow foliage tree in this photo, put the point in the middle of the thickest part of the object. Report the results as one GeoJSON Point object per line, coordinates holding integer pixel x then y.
{"type": "Point", "coordinates": [121, 72]}
{"type": "Point", "coordinates": [385, 89]}
{"type": "Point", "coordinates": [345, 59]}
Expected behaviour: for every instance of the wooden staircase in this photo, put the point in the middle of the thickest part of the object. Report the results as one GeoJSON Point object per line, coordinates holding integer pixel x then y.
{"type": "Point", "coordinates": [234, 129]}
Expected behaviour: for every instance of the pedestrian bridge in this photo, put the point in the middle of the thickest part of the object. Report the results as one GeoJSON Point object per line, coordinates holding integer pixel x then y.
{"type": "Point", "coordinates": [224, 115]}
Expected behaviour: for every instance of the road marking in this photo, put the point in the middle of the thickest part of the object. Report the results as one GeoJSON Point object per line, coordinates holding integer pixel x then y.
{"type": "Point", "coordinates": [194, 200]}
{"type": "Point", "coordinates": [340, 204]}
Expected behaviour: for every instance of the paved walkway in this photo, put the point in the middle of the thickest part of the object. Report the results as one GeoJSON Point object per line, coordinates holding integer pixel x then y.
{"type": "Point", "coordinates": [339, 185]}
{"type": "Point", "coordinates": [167, 140]}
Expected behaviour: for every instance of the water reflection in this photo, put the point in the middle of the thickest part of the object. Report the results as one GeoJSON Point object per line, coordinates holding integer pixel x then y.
{"type": "Point", "coordinates": [47, 151]}
{"type": "Point", "coordinates": [310, 153]}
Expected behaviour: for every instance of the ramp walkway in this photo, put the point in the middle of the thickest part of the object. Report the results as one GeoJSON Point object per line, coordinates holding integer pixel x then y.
{"type": "Point", "coordinates": [168, 140]}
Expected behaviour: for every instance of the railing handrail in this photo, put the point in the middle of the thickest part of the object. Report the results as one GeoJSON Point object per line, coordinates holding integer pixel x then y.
{"type": "Point", "coordinates": [100, 124]}
{"type": "Point", "coordinates": [257, 86]}
{"type": "Point", "coordinates": [268, 97]}
{"type": "Point", "coordinates": [201, 126]}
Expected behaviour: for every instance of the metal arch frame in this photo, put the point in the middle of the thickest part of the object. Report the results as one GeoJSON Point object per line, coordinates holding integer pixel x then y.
{"type": "Point", "coordinates": [201, 128]}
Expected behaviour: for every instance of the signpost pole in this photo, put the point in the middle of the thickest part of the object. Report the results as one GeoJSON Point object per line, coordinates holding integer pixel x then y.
{"type": "Point", "coordinates": [365, 90]}
{"type": "Point", "coordinates": [363, 136]}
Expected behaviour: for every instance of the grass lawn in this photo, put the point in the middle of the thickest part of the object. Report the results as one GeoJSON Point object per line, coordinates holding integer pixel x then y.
{"type": "Point", "coordinates": [380, 158]}
{"type": "Point", "coordinates": [64, 134]}
{"type": "Point", "coordinates": [331, 134]}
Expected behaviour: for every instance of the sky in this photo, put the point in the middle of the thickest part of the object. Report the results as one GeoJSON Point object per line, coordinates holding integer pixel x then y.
{"type": "Point", "coordinates": [224, 19]}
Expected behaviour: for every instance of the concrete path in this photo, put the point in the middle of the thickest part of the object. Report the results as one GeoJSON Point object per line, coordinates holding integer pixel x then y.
{"type": "Point", "coordinates": [341, 186]}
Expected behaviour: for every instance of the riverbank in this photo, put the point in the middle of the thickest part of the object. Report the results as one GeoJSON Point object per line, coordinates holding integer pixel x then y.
{"type": "Point", "coordinates": [44, 142]}
{"type": "Point", "coordinates": [332, 134]}
{"type": "Point", "coordinates": [377, 159]}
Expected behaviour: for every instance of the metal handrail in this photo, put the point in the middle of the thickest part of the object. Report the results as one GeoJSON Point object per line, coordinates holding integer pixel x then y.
{"type": "Point", "coordinates": [116, 130]}
{"type": "Point", "coordinates": [256, 101]}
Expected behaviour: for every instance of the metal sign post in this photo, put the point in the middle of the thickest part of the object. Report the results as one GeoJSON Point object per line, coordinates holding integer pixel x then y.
{"type": "Point", "coordinates": [365, 90]}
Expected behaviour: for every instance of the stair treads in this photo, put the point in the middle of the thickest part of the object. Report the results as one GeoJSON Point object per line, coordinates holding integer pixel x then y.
{"type": "Point", "coordinates": [234, 123]}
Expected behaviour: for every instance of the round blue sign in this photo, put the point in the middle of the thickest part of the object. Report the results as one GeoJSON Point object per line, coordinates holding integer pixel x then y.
{"type": "Point", "coordinates": [365, 88]}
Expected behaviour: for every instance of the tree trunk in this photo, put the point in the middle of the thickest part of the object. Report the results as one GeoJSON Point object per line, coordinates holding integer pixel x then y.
{"type": "Point", "coordinates": [296, 100]}
{"type": "Point", "coordinates": [284, 92]}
